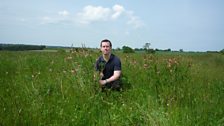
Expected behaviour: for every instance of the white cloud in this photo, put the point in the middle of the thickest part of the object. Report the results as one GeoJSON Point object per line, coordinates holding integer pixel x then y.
{"type": "Point", "coordinates": [93, 13]}
{"type": "Point", "coordinates": [118, 10]}
{"type": "Point", "coordinates": [61, 17]}
{"type": "Point", "coordinates": [127, 33]}
{"type": "Point", "coordinates": [134, 20]}
{"type": "Point", "coordinates": [90, 14]}
{"type": "Point", "coordinates": [46, 20]}
{"type": "Point", "coordinates": [51, 20]}
{"type": "Point", "coordinates": [63, 13]}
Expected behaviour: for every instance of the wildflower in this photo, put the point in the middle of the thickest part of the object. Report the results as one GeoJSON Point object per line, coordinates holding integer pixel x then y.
{"type": "Point", "coordinates": [189, 64]}
{"type": "Point", "coordinates": [86, 55]}
{"type": "Point", "coordinates": [20, 110]}
{"type": "Point", "coordinates": [69, 58]}
{"type": "Point", "coordinates": [73, 71]}
{"type": "Point", "coordinates": [169, 65]}
{"type": "Point", "coordinates": [145, 66]}
{"type": "Point", "coordinates": [94, 77]}
{"type": "Point", "coordinates": [134, 62]}
{"type": "Point", "coordinates": [171, 62]}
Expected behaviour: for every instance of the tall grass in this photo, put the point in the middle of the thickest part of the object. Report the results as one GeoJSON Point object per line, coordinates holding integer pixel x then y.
{"type": "Point", "coordinates": [59, 88]}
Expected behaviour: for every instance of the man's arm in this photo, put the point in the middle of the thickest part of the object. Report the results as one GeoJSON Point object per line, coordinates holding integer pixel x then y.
{"type": "Point", "coordinates": [116, 76]}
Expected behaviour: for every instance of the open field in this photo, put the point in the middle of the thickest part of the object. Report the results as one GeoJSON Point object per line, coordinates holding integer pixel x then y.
{"type": "Point", "coordinates": [59, 88]}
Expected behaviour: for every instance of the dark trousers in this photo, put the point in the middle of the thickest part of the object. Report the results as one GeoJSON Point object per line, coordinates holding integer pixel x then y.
{"type": "Point", "coordinates": [115, 85]}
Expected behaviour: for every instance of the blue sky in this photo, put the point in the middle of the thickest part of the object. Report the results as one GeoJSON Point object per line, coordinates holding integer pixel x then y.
{"type": "Point", "coordinates": [191, 25]}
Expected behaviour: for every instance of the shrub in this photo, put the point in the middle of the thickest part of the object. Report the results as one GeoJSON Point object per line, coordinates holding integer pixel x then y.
{"type": "Point", "coordinates": [222, 51]}
{"type": "Point", "coordinates": [127, 49]}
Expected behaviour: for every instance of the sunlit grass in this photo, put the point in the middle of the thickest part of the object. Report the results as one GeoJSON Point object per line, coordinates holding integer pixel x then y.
{"type": "Point", "coordinates": [59, 88]}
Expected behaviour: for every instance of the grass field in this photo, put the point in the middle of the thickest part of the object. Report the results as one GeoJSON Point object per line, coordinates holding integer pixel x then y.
{"type": "Point", "coordinates": [59, 88]}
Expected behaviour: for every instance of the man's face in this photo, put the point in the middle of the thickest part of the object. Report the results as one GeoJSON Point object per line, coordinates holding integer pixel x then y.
{"type": "Point", "coordinates": [105, 48]}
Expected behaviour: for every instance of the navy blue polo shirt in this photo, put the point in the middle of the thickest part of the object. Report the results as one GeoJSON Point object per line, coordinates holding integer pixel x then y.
{"type": "Point", "coordinates": [109, 67]}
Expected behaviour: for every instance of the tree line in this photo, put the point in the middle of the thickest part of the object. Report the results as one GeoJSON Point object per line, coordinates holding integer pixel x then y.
{"type": "Point", "coordinates": [21, 47]}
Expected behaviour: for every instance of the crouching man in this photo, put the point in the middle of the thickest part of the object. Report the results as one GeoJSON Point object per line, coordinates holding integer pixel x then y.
{"type": "Point", "coordinates": [109, 67]}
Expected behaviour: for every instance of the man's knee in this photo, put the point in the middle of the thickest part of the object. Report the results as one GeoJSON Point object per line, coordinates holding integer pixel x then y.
{"type": "Point", "coordinates": [116, 85]}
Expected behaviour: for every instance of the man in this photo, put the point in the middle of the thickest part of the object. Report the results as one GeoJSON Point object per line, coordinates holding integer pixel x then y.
{"type": "Point", "coordinates": [109, 67]}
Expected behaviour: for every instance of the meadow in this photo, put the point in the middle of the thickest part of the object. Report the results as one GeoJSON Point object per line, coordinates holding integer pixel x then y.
{"type": "Point", "coordinates": [161, 89]}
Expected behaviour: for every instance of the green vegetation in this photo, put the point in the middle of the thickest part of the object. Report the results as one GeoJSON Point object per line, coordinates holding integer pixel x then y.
{"type": "Point", "coordinates": [21, 47]}
{"type": "Point", "coordinates": [127, 49]}
{"type": "Point", "coordinates": [59, 88]}
{"type": "Point", "coordinates": [222, 51]}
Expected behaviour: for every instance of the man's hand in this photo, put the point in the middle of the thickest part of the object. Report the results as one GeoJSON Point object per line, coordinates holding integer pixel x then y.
{"type": "Point", "coordinates": [102, 82]}
{"type": "Point", "coordinates": [101, 75]}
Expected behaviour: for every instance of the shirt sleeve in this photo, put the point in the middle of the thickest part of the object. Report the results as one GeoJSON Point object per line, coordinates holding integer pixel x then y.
{"type": "Point", "coordinates": [97, 65]}
{"type": "Point", "coordinates": [117, 64]}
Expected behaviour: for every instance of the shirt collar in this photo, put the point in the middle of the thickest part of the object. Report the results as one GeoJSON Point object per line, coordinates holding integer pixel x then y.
{"type": "Point", "coordinates": [111, 57]}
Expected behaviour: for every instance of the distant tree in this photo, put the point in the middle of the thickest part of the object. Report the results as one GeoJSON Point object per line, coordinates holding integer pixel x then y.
{"type": "Point", "coordinates": [222, 51]}
{"type": "Point", "coordinates": [127, 49]}
{"type": "Point", "coordinates": [212, 51]}
{"type": "Point", "coordinates": [20, 47]}
{"type": "Point", "coordinates": [118, 49]}
{"type": "Point", "coordinates": [151, 51]}
{"type": "Point", "coordinates": [139, 49]}
{"type": "Point", "coordinates": [157, 49]}
{"type": "Point", "coordinates": [147, 48]}
{"type": "Point", "coordinates": [181, 50]}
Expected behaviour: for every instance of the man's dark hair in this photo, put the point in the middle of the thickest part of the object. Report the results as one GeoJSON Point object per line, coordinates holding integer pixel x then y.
{"type": "Point", "coordinates": [105, 40]}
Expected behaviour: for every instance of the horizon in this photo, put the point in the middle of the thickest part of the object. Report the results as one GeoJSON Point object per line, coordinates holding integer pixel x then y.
{"type": "Point", "coordinates": [189, 25]}
{"type": "Point", "coordinates": [160, 49]}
